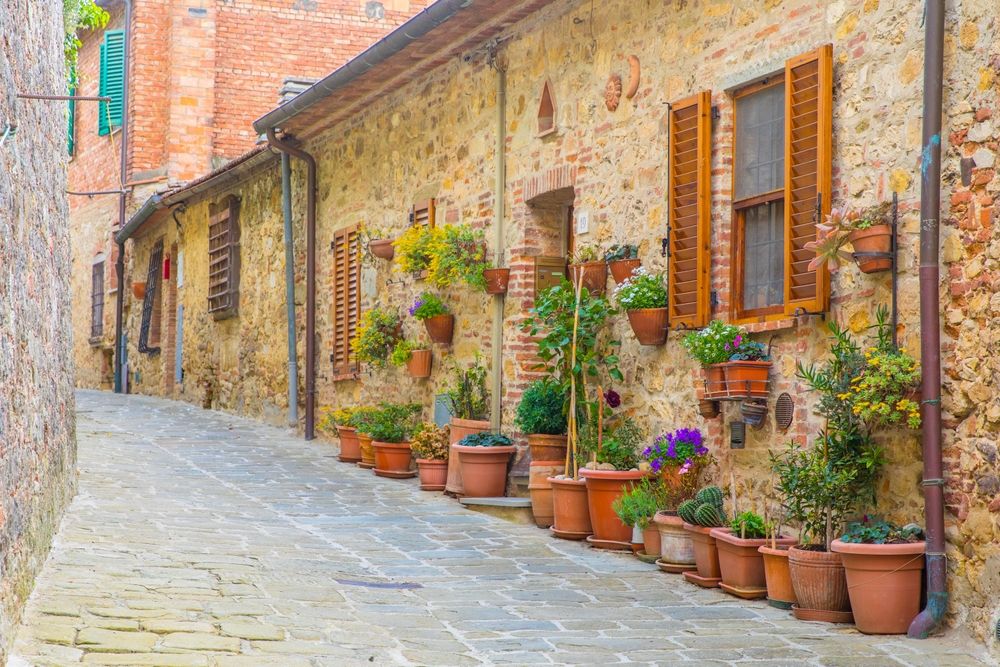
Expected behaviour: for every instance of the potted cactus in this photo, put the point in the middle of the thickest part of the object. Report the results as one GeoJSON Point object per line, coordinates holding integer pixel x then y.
{"type": "Point", "coordinates": [468, 400]}
{"type": "Point", "coordinates": [701, 515]}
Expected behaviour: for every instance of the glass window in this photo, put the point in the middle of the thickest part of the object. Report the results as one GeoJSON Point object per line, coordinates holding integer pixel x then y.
{"type": "Point", "coordinates": [760, 142]}
{"type": "Point", "coordinates": [764, 250]}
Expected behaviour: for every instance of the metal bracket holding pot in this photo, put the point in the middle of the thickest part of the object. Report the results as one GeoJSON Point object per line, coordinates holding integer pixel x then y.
{"type": "Point", "coordinates": [893, 256]}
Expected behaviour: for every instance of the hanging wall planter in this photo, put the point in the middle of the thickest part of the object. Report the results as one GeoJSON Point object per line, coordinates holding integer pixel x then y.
{"type": "Point", "coordinates": [649, 325]}
{"type": "Point", "coordinates": [440, 328]}
{"type": "Point", "coordinates": [419, 364]}
{"type": "Point", "coordinates": [622, 269]}
{"type": "Point", "coordinates": [496, 280]}
{"type": "Point", "coordinates": [746, 379]}
{"type": "Point", "coordinates": [139, 290]}
{"type": "Point", "coordinates": [595, 276]}
{"type": "Point", "coordinates": [382, 248]}
{"type": "Point", "coordinates": [872, 248]}
{"type": "Point", "coordinates": [708, 409]}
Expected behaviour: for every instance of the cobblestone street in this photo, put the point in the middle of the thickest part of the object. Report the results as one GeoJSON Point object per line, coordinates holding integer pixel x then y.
{"type": "Point", "coordinates": [202, 539]}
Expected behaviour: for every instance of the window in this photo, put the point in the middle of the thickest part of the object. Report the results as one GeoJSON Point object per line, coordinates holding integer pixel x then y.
{"type": "Point", "coordinates": [97, 299]}
{"type": "Point", "coordinates": [224, 258]}
{"type": "Point", "coordinates": [112, 81]}
{"type": "Point", "coordinates": [423, 213]}
{"type": "Point", "coordinates": [346, 301]}
{"type": "Point", "coordinates": [149, 329]}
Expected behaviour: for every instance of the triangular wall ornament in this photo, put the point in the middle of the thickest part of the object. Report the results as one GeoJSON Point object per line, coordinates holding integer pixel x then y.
{"type": "Point", "coordinates": [546, 111]}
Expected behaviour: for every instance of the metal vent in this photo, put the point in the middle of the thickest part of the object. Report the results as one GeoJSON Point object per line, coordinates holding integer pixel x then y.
{"type": "Point", "coordinates": [737, 435]}
{"type": "Point", "coordinates": [784, 408]}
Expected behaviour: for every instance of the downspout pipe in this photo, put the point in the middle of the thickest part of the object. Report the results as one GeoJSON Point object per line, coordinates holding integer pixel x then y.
{"type": "Point", "coordinates": [500, 168]}
{"type": "Point", "coordinates": [288, 149]}
{"type": "Point", "coordinates": [930, 324]}
{"type": "Point", "coordinates": [293, 362]}
{"type": "Point", "coordinates": [119, 382]}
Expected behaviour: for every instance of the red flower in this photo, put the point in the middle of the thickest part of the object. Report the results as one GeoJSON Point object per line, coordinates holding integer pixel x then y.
{"type": "Point", "coordinates": [612, 398]}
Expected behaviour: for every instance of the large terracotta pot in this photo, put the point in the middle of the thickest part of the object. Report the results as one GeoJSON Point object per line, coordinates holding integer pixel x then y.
{"type": "Point", "coordinates": [676, 547]}
{"type": "Point", "coordinates": [715, 381]}
{"type": "Point", "coordinates": [350, 448]}
{"type": "Point", "coordinates": [741, 564]}
{"type": "Point", "coordinates": [441, 328]}
{"type": "Point", "coordinates": [651, 539]}
{"type": "Point", "coordinates": [484, 470]}
{"type": "Point", "coordinates": [706, 555]}
{"type": "Point", "coordinates": [433, 474]}
{"type": "Point", "coordinates": [419, 365]}
{"type": "Point", "coordinates": [458, 430]}
{"type": "Point", "coordinates": [876, 239]}
{"type": "Point", "coordinates": [780, 593]}
{"type": "Point", "coordinates": [819, 580]}
{"type": "Point", "coordinates": [649, 325]}
{"type": "Point", "coordinates": [367, 451]}
{"type": "Point", "coordinates": [540, 490]}
{"type": "Point", "coordinates": [595, 276]}
{"type": "Point", "coordinates": [604, 487]}
{"type": "Point", "coordinates": [883, 582]}
{"type": "Point", "coordinates": [547, 447]}
{"type": "Point", "coordinates": [496, 280]}
{"type": "Point", "coordinates": [393, 459]}
{"type": "Point", "coordinates": [382, 248]}
{"type": "Point", "coordinates": [570, 513]}
{"type": "Point", "coordinates": [747, 378]}
{"type": "Point", "coordinates": [622, 269]}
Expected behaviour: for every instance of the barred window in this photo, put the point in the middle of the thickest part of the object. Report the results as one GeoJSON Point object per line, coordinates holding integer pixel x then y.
{"type": "Point", "coordinates": [224, 258]}
{"type": "Point", "coordinates": [97, 300]}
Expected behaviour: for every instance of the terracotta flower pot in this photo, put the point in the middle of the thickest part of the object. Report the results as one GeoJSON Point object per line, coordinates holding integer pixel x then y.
{"type": "Point", "coordinates": [350, 448]}
{"type": "Point", "coordinates": [382, 248]}
{"type": "Point", "coordinates": [484, 470]}
{"type": "Point", "coordinates": [139, 290]}
{"type": "Point", "coordinates": [547, 447]}
{"type": "Point", "coordinates": [741, 564]}
{"type": "Point", "coordinates": [780, 593]}
{"type": "Point", "coordinates": [818, 580]}
{"type": "Point", "coordinates": [419, 365]}
{"type": "Point", "coordinates": [747, 378]}
{"type": "Point", "coordinates": [651, 539]}
{"type": "Point", "coordinates": [441, 328]}
{"type": "Point", "coordinates": [459, 429]}
{"type": "Point", "coordinates": [649, 325]}
{"type": "Point", "coordinates": [570, 513]}
{"type": "Point", "coordinates": [603, 488]}
{"type": "Point", "coordinates": [496, 280]}
{"type": "Point", "coordinates": [708, 409]}
{"type": "Point", "coordinates": [876, 239]}
{"type": "Point", "coordinates": [676, 546]}
{"type": "Point", "coordinates": [706, 555]}
{"type": "Point", "coordinates": [883, 582]}
{"type": "Point", "coordinates": [433, 474]}
{"type": "Point", "coordinates": [393, 459]}
{"type": "Point", "coordinates": [623, 268]}
{"type": "Point", "coordinates": [715, 381]}
{"type": "Point", "coordinates": [367, 451]}
{"type": "Point", "coordinates": [595, 276]}
{"type": "Point", "coordinates": [540, 490]}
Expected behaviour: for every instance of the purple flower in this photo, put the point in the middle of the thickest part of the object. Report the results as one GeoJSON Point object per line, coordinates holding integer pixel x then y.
{"type": "Point", "coordinates": [656, 464]}
{"type": "Point", "coordinates": [736, 341]}
{"type": "Point", "coordinates": [416, 304]}
{"type": "Point", "coordinates": [612, 398]}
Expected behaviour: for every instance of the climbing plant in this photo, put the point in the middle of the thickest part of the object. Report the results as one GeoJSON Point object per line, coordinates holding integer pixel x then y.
{"type": "Point", "coordinates": [79, 15]}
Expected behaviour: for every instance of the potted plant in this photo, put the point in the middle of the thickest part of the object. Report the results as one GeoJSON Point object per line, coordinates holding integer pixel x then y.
{"type": "Point", "coordinates": [440, 323]}
{"type": "Point", "coordinates": [340, 419]}
{"type": "Point", "coordinates": [459, 256]}
{"type": "Point", "coordinates": [884, 564]}
{"type": "Point", "coordinates": [496, 278]}
{"type": "Point", "coordinates": [643, 296]}
{"type": "Point", "coordinates": [622, 259]}
{"type": "Point", "coordinates": [540, 415]}
{"type": "Point", "coordinates": [748, 369]}
{"type": "Point", "coordinates": [677, 456]}
{"type": "Point", "coordinates": [390, 428]}
{"type": "Point", "coordinates": [139, 289]}
{"type": "Point", "coordinates": [416, 249]}
{"type": "Point", "coordinates": [613, 470]}
{"type": "Point", "coordinates": [740, 562]}
{"type": "Point", "coordinates": [361, 421]}
{"type": "Point", "coordinates": [376, 336]}
{"type": "Point", "coordinates": [483, 458]}
{"type": "Point", "coordinates": [585, 265]}
{"type": "Point", "coordinates": [468, 400]}
{"type": "Point", "coordinates": [868, 232]}
{"type": "Point", "coordinates": [712, 347]}
{"type": "Point", "coordinates": [701, 515]}
{"type": "Point", "coordinates": [416, 359]}
{"type": "Point", "coordinates": [430, 446]}
{"type": "Point", "coordinates": [377, 243]}
{"type": "Point", "coordinates": [777, 576]}
{"type": "Point", "coordinates": [637, 507]}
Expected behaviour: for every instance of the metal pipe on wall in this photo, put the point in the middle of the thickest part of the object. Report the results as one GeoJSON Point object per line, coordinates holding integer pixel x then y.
{"type": "Point", "coordinates": [293, 362]}
{"type": "Point", "coordinates": [500, 167]}
{"type": "Point", "coordinates": [119, 382]}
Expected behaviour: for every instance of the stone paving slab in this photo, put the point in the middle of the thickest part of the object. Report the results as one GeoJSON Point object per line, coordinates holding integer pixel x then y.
{"type": "Point", "coordinates": [203, 539]}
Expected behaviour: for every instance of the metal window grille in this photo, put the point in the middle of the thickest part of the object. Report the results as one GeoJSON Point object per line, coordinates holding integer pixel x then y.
{"type": "Point", "coordinates": [97, 300]}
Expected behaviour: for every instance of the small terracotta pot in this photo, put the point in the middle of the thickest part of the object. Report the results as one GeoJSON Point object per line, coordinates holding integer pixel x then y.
{"type": "Point", "coordinates": [818, 579]}
{"type": "Point", "coordinates": [708, 409]}
{"type": "Point", "coordinates": [350, 448]}
{"type": "Point", "coordinates": [876, 239]}
{"type": "Point", "coordinates": [419, 365]}
{"type": "Point", "coordinates": [458, 430]}
{"type": "Point", "coordinates": [433, 474]}
{"type": "Point", "coordinates": [715, 381]}
{"type": "Point", "coordinates": [139, 290]}
{"type": "Point", "coordinates": [393, 459]}
{"type": "Point", "coordinates": [441, 328]}
{"type": "Point", "coordinates": [540, 490]}
{"type": "Point", "coordinates": [779, 580]}
{"type": "Point", "coordinates": [883, 582]}
{"type": "Point", "coordinates": [649, 325]}
{"type": "Point", "coordinates": [484, 470]}
{"type": "Point", "coordinates": [496, 280]}
{"type": "Point", "coordinates": [706, 552]}
{"type": "Point", "coordinates": [604, 487]}
{"type": "Point", "coordinates": [637, 540]}
{"type": "Point", "coordinates": [367, 451]}
{"type": "Point", "coordinates": [595, 276]}
{"type": "Point", "coordinates": [747, 379]}
{"type": "Point", "coordinates": [382, 248]}
{"type": "Point", "coordinates": [547, 447]}
{"type": "Point", "coordinates": [676, 546]}
{"type": "Point", "coordinates": [571, 515]}
{"type": "Point", "coordinates": [651, 539]}
{"type": "Point", "coordinates": [741, 564]}
{"type": "Point", "coordinates": [621, 269]}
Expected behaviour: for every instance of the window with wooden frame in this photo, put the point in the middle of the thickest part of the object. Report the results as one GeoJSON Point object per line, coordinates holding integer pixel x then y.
{"type": "Point", "coordinates": [423, 213]}
{"type": "Point", "coordinates": [224, 258]}
{"type": "Point", "coordinates": [97, 299]}
{"type": "Point", "coordinates": [149, 326]}
{"type": "Point", "coordinates": [346, 301]}
{"type": "Point", "coordinates": [782, 129]}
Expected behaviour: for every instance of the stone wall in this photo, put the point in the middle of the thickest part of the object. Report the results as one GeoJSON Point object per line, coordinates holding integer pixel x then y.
{"type": "Point", "coordinates": [37, 425]}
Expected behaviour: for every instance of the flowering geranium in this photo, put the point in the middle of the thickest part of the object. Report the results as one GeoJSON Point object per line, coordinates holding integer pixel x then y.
{"type": "Point", "coordinates": [428, 305]}
{"type": "Point", "coordinates": [642, 290]}
{"type": "Point", "coordinates": [682, 448]}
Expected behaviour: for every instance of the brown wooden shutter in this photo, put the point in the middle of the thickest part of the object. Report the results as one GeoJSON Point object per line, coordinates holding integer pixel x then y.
{"type": "Point", "coordinates": [688, 279]}
{"type": "Point", "coordinates": [808, 182]}
{"type": "Point", "coordinates": [346, 300]}
{"type": "Point", "coordinates": [423, 213]}
{"type": "Point", "coordinates": [224, 257]}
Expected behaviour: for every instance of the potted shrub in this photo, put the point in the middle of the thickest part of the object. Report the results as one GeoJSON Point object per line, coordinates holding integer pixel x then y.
{"type": "Point", "coordinates": [350, 448]}
{"type": "Point", "coordinates": [468, 400]}
{"type": "Point", "coordinates": [643, 296]}
{"type": "Point", "coordinates": [740, 562]}
{"type": "Point", "coordinates": [416, 249]}
{"type": "Point", "coordinates": [540, 415]}
{"type": "Point", "coordinates": [748, 369]}
{"type": "Point", "coordinates": [585, 265]}
{"type": "Point", "coordinates": [701, 515]}
{"type": "Point", "coordinates": [361, 420]}
{"type": "Point", "coordinates": [390, 428]}
{"type": "Point", "coordinates": [416, 359]}
{"type": "Point", "coordinates": [459, 256]}
{"type": "Point", "coordinates": [376, 336]}
{"type": "Point", "coordinates": [868, 232]}
{"type": "Point", "coordinates": [483, 458]}
{"type": "Point", "coordinates": [622, 259]}
{"type": "Point", "coordinates": [612, 471]}
{"type": "Point", "coordinates": [430, 446]}
{"type": "Point", "coordinates": [712, 347]}
{"type": "Point", "coordinates": [884, 565]}
{"type": "Point", "coordinates": [637, 507]}
{"type": "Point", "coordinates": [440, 323]}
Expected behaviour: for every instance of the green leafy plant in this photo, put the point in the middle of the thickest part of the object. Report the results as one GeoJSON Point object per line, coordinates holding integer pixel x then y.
{"type": "Point", "coordinates": [79, 15]}
{"type": "Point", "coordinates": [749, 526]}
{"type": "Point", "coordinates": [584, 254]}
{"type": "Point", "coordinates": [376, 337]}
{"type": "Point", "coordinates": [430, 442]}
{"type": "Point", "coordinates": [361, 418]}
{"type": "Point", "coordinates": [468, 396]}
{"type": "Point", "coordinates": [619, 446]}
{"type": "Point", "coordinates": [393, 422]}
{"type": "Point", "coordinates": [714, 344]}
{"type": "Point", "coordinates": [416, 248]}
{"type": "Point", "coordinates": [621, 251]}
{"type": "Point", "coordinates": [750, 350]}
{"type": "Point", "coordinates": [459, 255]}
{"type": "Point", "coordinates": [638, 505]}
{"type": "Point", "coordinates": [402, 352]}
{"type": "Point", "coordinates": [541, 410]}
{"type": "Point", "coordinates": [867, 531]}
{"type": "Point", "coordinates": [642, 290]}
{"type": "Point", "coordinates": [486, 439]}
{"type": "Point", "coordinates": [428, 305]}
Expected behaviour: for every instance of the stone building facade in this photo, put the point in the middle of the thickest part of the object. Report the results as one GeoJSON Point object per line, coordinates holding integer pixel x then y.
{"type": "Point", "coordinates": [37, 423]}
{"type": "Point", "coordinates": [433, 135]}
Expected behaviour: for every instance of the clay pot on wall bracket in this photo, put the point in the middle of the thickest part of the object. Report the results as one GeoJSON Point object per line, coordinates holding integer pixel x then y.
{"type": "Point", "coordinates": [570, 513]}
{"type": "Point", "coordinates": [748, 379]}
{"type": "Point", "coordinates": [706, 557]}
{"type": "Point", "coordinates": [623, 268]}
{"type": "Point", "coordinates": [441, 328]}
{"type": "Point", "coordinates": [820, 585]}
{"type": "Point", "coordinates": [433, 474]}
{"type": "Point", "coordinates": [459, 429]}
{"type": "Point", "coordinates": [595, 276]}
{"type": "Point", "coordinates": [382, 248]}
{"type": "Point", "coordinates": [741, 564]}
{"type": "Point", "coordinates": [419, 365]}
{"type": "Point", "coordinates": [676, 547]}
{"type": "Point", "coordinates": [708, 409]}
{"type": "Point", "coordinates": [649, 325]}
{"type": "Point", "coordinates": [604, 487]}
{"type": "Point", "coordinates": [367, 451]}
{"type": "Point", "coordinates": [484, 470]}
{"type": "Point", "coordinates": [139, 290]}
{"type": "Point", "coordinates": [547, 447]}
{"type": "Point", "coordinates": [393, 459]}
{"type": "Point", "coordinates": [540, 490]}
{"type": "Point", "coordinates": [869, 244]}
{"type": "Point", "coordinates": [496, 280]}
{"type": "Point", "coordinates": [883, 583]}
{"type": "Point", "coordinates": [350, 448]}
{"type": "Point", "coordinates": [715, 381]}
{"type": "Point", "coordinates": [780, 593]}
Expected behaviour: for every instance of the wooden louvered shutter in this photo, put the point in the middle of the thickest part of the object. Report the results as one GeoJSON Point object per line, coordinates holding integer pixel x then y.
{"type": "Point", "coordinates": [112, 81]}
{"type": "Point", "coordinates": [346, 301]}
{"type": "Point", "coordinates": [423, 213]}
{"type": "Point", "coordinates": [688, 279]}
{"type": "Point", "coordinates": [808, 182]}
{"type": "Point", "coordinates": [224, 258]}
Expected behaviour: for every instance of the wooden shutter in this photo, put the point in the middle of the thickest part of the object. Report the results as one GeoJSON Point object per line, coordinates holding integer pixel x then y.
{"type": "Point", "coordinates": [346, 302]}
{"type": "Point", "coordinates": [71, 118]}
{"type": "Point", "coordinates": [112, 81]}
{"type": "Point", "coordinates": [223, 258]}
{"type": "Point", "coordinates": [808, 137]}
{"type": "Point", "coordinates": [423, 213]}
{"type": "Point", "coordinates": [688, 279]}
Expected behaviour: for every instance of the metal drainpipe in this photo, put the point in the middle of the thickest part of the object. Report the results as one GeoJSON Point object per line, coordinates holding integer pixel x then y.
{"type": "Point", "coordinates": [123, 178]}
{"type": "Point", "coordinates": [310, 425]}
{"type": "Point", "coordinates": [930, 324]}
{"type": "Point", "coordinates": [293, 362]}
{"type": "Point", "coordinates": [496, 411]}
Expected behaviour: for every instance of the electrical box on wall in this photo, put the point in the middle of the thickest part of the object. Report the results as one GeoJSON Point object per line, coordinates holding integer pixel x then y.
{"type": "Point", "coordinates": [582, 222]}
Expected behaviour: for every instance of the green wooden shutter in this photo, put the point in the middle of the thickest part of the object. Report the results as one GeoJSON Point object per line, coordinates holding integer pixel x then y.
{"type": "Point", "coordinates": [71, 123]}
{"type": "Point", "coordinates": [112, 80]}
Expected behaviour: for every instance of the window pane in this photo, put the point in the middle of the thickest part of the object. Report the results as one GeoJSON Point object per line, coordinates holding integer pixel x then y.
{"type": "Point", "coordinates": [760, 142]}
{"type": "Point", "coordinates": [763, 250]}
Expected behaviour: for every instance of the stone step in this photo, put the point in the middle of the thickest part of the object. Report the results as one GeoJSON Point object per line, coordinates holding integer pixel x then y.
{"type": "Point", "coordinates": [515, 510]}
